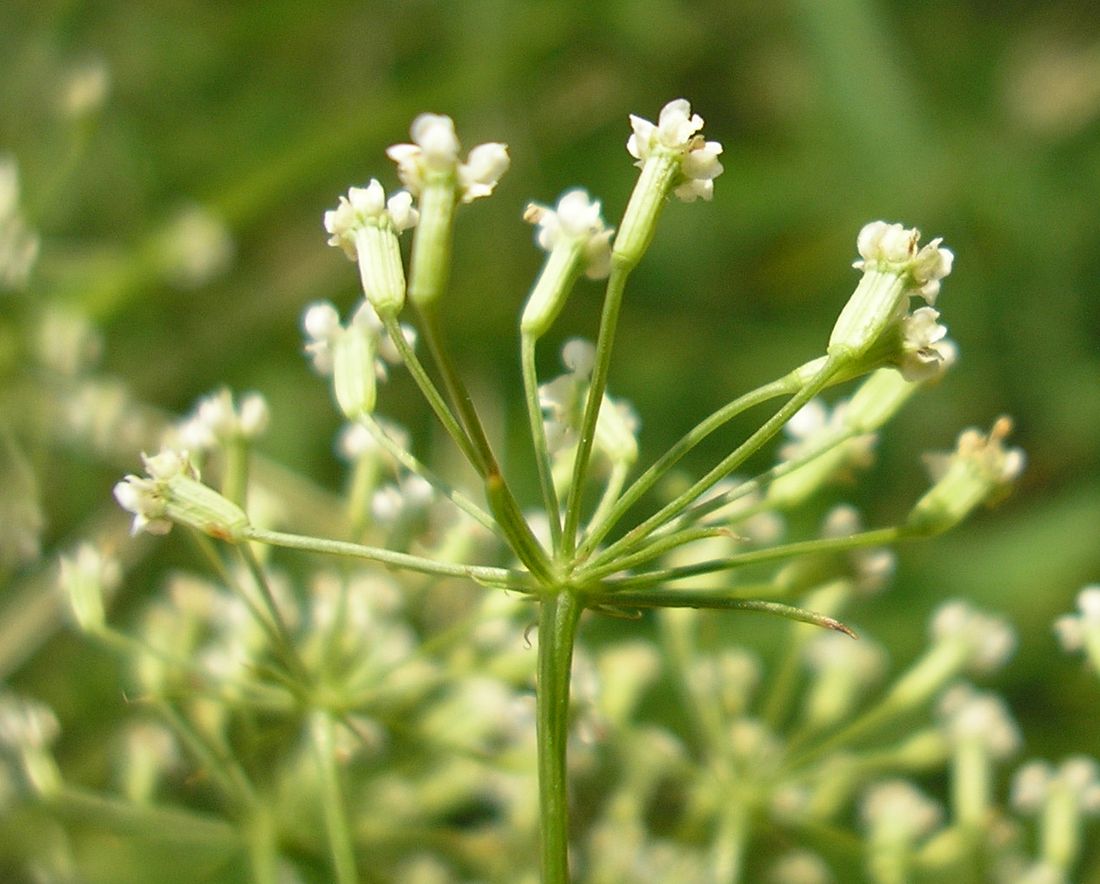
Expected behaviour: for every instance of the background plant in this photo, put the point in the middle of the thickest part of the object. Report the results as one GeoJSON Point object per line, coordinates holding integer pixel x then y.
{"type": "Point", "coordinates": [817, 155]}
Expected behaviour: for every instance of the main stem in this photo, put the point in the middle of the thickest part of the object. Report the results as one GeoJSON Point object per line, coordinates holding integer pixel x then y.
{"type": "Point", "coordinates": [558, 617]}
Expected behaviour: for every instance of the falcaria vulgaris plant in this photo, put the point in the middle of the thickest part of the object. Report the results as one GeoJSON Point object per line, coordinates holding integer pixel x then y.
{"type": "Point", "coordinates": [351, 667]}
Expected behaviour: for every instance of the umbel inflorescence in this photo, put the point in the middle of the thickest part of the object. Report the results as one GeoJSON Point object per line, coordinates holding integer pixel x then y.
{"type": "Point", "coordinates": [605, 537]}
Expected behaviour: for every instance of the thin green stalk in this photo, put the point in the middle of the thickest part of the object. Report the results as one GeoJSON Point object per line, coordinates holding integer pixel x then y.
{"type": "Point", "coordinates": [501, 500]}
{"type": "Point", "coordinates": [235, 476]}
{"type": "Point", "coordinates": [782, 687]}
{"type": "Point", "coordinates": [285, 642]}
{"type": "Point", "coordinates": [263, 846]}
{"type": "Point", "coordinates": [728, 464]}
{"type": "Point", "coordinates": [520, 536]}
{"type": "Point", "coordinates": [200, 681]}
{"type": "Point", "coordinates": [678, 643]}
{"type": "Point", "coordinates": [428, 389]}
{"type": "Point", "coordinates": [914, 687]}
{"type": "Point", "coordinates": [704, 508]}
{"type": "Point", "coordinates": [146, 821]}
{"type": "Point", "coordinates": [502, 578]}
{"type": "Point", "coordinates": [229, 579]}
{"type": "Point", "coordinates": [674, 598]}
{"type": "Point", "coordinates": [336, 814]}
{"type": "Point", "coordinates": [221, 766]}
{"type": "Point", "coordinates": [613, 298]}
{"type": "Point", "coordinates": [727, 853]}
{"type": "Point", "coordinates": [364, 481]}
{"type": "Point", "coordinates": [670, 458]}
{"type": "Point", "coordinates": [559, 614]}
{"type": "Point", "coordinates": [611, 493]}
{"type": "Point", "coordinates": [877, 537]}
{"type": "Point", "coordinates": [654, 549]}
{"type": "Point", "coordinates": [420, 469]}
{"type": "Point", "coordinates": [538, 439]}
{"type": "Point", "coordinates": [456, 390]}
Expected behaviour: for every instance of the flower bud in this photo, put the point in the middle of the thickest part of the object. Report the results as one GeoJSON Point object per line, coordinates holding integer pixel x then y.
{"type": "Point", "coordinates": [981, 470]}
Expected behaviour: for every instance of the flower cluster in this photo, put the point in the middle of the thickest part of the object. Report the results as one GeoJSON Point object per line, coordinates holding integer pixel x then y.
{"type": "Point", "coordinates": [677, 134]}
{"type": "Point", "coordinates": [171, 492]}
{"type": "Point", "coordinates": [400, 697]}
{"type": "Point", "coordinates": [435, 152]}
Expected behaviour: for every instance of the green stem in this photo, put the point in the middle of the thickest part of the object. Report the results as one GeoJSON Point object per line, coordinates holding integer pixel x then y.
{"type": "Point", "coordinates": [538, 439]}
{"type": "Point", "coordinates": [336, 816]}
{"type": "Point", "coordinates": [145, 821]}
{"type": "Point", "coordinates": [727, 852]}
{"type": "Point", "coordinates": [877, 537]}
{"type": "Point", "coordinates": [728, 464]}
{"type": "Point", "coordinates": [677, 634]}
{"type": "Point", "coordinates": [364, 480]}
{"type": "Point", "coordinates": [559, 614]}
{"type": "Point", "coordinates": [220, 764]}
{"type": "Point", "coordinates": [713, 600]}
{"type": "Point", "coordinates": [415, 466]}
{"type": "Point", "coordinates": [939, 664]}
{"type": "Point", "coordinates": [431, 394]}
{"type": "Point", "coordinates": [654, 549]}
{"type": "Point", "coordinates": [611, 493]}
{"type": "Point", "coordinates": [456, 389]}
{"type": "Point", "coordinates": [501, 500]}
{"type": "Point", "coordinates": [263, 846]}
{"type": "Point", "coordinates": [229, 579]}
{"type": "Point", "coordinates": [502, 578]}
{"type": "Point", "coordinates": [284, 642]}
{"type": "Point", "coordinates": [616, 285]}
{"type": "Point", "coordinates": [704, 508]}
{"type": "Point", "coordinates": [235, 476]}
{"type": "Point", "coordinates": [520, 536]}
{"type": "Point", "coordinates": [670, 458]}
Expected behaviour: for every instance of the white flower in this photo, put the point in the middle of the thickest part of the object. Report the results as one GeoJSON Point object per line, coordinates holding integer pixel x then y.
{"type": "Point", "coordinates": [800, 867]}
{"type": "Point", "coordinates": [321, 323]}
{"type": "Point", "coordinates": [898, 810]}
{"type": "Point", "coordinates": [367, 206]}
{"type": "Point", "coordinates": [1074, 629]}
{"type": "Point", "coordinates": [18, 243]}
{"type": "Point", "coordinates": [968, 716]}
{"type": "Point", "coordinates": [813, 424]}
{"type": "Point", "coordinates": [676, 134]}
{"type": "Point", "coordinates": [26, 723]}
{"type": "Point", "coordinates": [218, 418]}
{"type": "Point", "coordinates": [435, 150]}
{"type": "Point", "coordinates": [480, 173]}
{"type": "Point", "coordinates": [563, 401]}
{"type": "Point", "coordinates": [323, 328]}
{"type": "Point", "coordinates": [872, 566]}
{"type": "Point", "coordinates": [925, 351]}
{"type": "Point", "coordinates": [86, 577]}
{"type": "Point", "coordinates": [980, 470]}
{"type": "Point", "coordinates": [892, 248]}
{"type": "Point", "coordinates": [1078, 775]}
{"type": "Point", "coordinates": [85, 89]}
{"type": "Point", "coordinates": [146, 497]}
{"type": "Point", "coordinates": [823, 439]}
{"type": "Point", "coordinates": [195, 247]}
{"type": "Point", "coordinates": [171, 492]}
{"type": "Point", "coordinates": [988, 640]}
{"type": "Point", "coordinates": [576, 218]}
{"type": "Point", "coordinates": [864, 661]}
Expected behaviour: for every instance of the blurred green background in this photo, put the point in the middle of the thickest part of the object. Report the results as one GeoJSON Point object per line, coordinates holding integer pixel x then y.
{"type": "Point", "coordinates": [976, 121]}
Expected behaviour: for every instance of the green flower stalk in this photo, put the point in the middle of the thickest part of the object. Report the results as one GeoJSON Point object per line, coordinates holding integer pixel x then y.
{"type": "Point", "coordinates": [431, 170]}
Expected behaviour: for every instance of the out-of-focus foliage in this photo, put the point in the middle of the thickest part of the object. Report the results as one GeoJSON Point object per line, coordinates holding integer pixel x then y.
{"type": "Point", "coordinates": [979, 122]}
